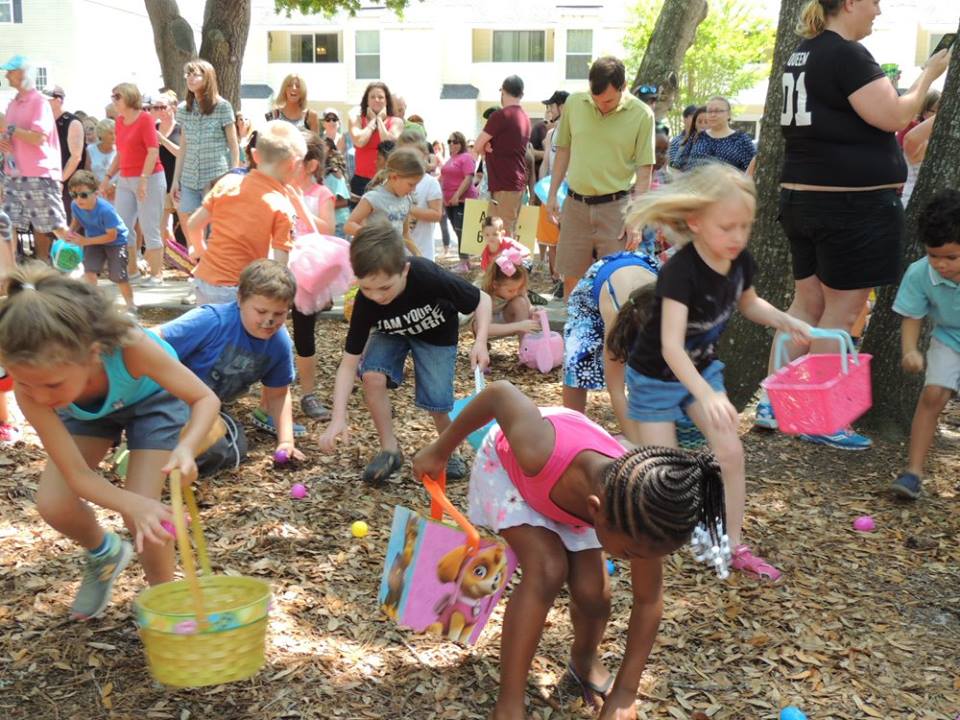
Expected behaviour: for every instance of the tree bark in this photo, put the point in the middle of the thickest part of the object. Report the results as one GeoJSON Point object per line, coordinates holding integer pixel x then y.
{"type": "Point", "coordinates": [173, 39]}
{"type": "Point", "coordinates": [226, 24]}
{"type": "Point", "coordinates": [671, 38]}
{"type": "Point", "coordinates": [745, 345]}
{"type": "Point", "coordinates": [895, 392]}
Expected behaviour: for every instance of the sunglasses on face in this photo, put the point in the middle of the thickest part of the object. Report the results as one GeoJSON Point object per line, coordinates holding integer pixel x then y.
{"type": "Point", "coordinates": [158, 107]}
{"type": "Point", "coordinates": [82, 194]}
{"type": "Point", "coordinates": [453, 142]}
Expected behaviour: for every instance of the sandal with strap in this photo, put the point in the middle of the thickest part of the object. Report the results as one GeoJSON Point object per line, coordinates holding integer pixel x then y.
{"type": "Point", "coordinates": [746, 562]}
{"type": "Point", "coordinates": [383, 465]}
{"type": "Point", "coordinates": [588, 690]}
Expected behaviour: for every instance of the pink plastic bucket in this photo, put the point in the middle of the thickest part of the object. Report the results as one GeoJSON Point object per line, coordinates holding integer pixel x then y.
{"type": "Point", "coordinates": [820, 394]}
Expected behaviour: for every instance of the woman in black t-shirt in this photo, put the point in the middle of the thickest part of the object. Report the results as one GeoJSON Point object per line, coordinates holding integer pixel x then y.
{"type": "Point", "coordinates": [839, 203]}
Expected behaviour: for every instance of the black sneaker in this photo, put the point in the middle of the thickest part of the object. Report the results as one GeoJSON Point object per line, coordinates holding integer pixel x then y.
{"type": "Point", "coordinates": [907, 485]}
{"type": "Point", "coordinates": [558, 290]}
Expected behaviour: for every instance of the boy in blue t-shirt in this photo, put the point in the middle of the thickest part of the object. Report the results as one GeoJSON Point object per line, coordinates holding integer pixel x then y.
{"type": "Point", "coordinates": [104, 238]}
{"type": "Point", "coordinates": [931, 287]}
{"type": "Point", "coordinates": [233, 345]}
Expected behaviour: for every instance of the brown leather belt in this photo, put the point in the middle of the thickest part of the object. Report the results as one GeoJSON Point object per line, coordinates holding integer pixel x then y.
{"type": "Point", "coordinates": [598, 199]}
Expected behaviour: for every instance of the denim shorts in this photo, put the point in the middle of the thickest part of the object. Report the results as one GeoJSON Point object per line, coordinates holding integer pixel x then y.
{"type": "Point", "coordinates": [154, 423]}
{"type": "Point", "coordinates": [652, 400]}
{"type": "Point", "coordinates": [190, 199]}
{"type": "Point", "coordinates": [433, 368]}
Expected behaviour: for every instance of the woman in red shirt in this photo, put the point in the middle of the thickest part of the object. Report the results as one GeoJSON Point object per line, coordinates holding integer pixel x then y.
{"type": "Point", "coordinates": [141, 184]}
{"type": "Point", "coordinates": [371, 125]}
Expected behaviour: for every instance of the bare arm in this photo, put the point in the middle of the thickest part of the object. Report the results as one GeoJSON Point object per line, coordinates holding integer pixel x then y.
{"type": "Point", "coordinates": [343, 384]}
{"type": "Point", "coordinates": [915, 142]}
{"type": "Point", "coordinates": [464, 186]}
{"type": "Point", "coordinates": [75, 145]}
{"type": "Point", "coordinates": [360, 135]}
{"type": "Point", "coordinates": [108, 237]}
{"type": "Point", "coordinates": [358, 217]}
{"type": "Point", "coordinates": [432, 213]}
{"type": "Point", "coordinates": [877, 102]}
{"type": "Point", "coordinates": [195, 227]}
{"type": "Point", "coordinates": [482, 144]}
{"type": "Point", "coordinates": [642, 183]}
{"type": "Point", "coordinates": [910, 329]}
{"type": "Point", "coordinates": [233, 144]}
{"type": "Point", "coordinates": [278, 404]}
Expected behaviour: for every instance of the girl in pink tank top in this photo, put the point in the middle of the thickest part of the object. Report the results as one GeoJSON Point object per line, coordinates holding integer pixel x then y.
{"type": "Point", "coordinates": [562, 492]}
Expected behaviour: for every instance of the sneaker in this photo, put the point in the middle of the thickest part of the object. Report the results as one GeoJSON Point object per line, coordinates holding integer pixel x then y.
{"type": "Point", "coordinates": [98, 577]}
{"type": "Point", "coordinates": [764, 417]}
{"type": "Point", "coordinates": [557, 291]}
{"type": "Point", "coordinates": [135, 278]}
{"type": "Point", "coordinates": [313, 408]}
{"type": "Point", "coordinates": [456, 468]}
{"type": "Point", "coordinates": [907, 485]}
{"type": "Point", "coordinates": [9, 434]}
{"type": "Point", "coordinates": [845, 439]}
{"type": "Point", "coordinates": [689, 436]}
{"type": "Point", "coordinates": [264, 422]}
{"type": "Point", "coordinates": [152, 282]}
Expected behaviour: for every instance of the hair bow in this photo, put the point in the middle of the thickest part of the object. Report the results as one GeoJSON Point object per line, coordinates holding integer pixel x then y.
{"type": "Point", "coordinates": [509, 260]}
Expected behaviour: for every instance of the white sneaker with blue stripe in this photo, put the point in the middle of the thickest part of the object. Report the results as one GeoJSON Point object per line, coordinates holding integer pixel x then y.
{"type": "Point", "coordinates": [764, 418]}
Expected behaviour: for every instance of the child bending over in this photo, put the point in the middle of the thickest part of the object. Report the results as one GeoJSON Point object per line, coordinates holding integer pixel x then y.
{"type": "Point", "coordinates": [505, 281]}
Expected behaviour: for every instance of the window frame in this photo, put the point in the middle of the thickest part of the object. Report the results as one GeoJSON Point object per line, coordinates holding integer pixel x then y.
{"type": "Point", "coordinates": [357, 54]}
{"type": "Point", "coordinates": [568, 55]}
{"type": "Point", "coordinates": [517, 44]}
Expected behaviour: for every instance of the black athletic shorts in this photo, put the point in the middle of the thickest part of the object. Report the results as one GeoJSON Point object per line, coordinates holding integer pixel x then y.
{"type": "Point", "coordinates": [849, 240]}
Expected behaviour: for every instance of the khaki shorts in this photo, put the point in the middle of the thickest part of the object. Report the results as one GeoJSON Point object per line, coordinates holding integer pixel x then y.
{"type": "Point", "coordinates": [507, 208]}
{"type": "Point", "coordinates": [588, 233]}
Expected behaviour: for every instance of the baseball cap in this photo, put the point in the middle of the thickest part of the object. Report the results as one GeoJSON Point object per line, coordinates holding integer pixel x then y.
{"type": "Point", "coordinates": [331, 111]}
{"type": "Point", "coordinates": [513, 84]}
{"type": "Point", "coordinates": [17, 62]}
{"type": "Point", "coordinates": [559, 97]}
{"type": "Point", "coordinates": [54, 91]}
{"type": "Point", "coordinates": [689, 110]}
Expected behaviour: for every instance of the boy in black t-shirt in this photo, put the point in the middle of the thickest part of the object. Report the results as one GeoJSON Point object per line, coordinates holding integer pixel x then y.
{"type": "Point", "coordinates": [412, 305]}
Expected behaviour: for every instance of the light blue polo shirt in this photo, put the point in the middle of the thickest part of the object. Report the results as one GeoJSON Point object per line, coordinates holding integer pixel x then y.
{"type": "Point", "coordinates": [926, 293]}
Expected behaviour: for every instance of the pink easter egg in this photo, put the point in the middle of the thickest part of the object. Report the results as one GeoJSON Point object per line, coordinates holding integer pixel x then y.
{"type": "Point", "coordinates": [298, 491]}
{"type": "Point", "coordinates": [168, 526]}
{"type": "Point", "coordinates": [864, 523]}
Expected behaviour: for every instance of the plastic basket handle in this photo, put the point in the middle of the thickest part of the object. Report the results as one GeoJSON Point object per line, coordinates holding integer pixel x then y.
{"type": "Point", "coordinates": [479, 383]}
{"type": "Point", "coordinates": [178, 494]}
{"type": "Point", "coordinates": [841, 336]}
{"type": "Point", "coordinates": [440, 504]}
{"type": "Point", "coordinates": [544, 323]}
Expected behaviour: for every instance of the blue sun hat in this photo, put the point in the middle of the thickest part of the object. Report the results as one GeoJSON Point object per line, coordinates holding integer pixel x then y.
{"type": "Point", "coordinates": [17, 62]}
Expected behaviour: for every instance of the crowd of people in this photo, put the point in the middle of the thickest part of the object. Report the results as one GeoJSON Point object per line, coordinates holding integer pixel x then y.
{"type": "Point", "coordinates": [648, 234]}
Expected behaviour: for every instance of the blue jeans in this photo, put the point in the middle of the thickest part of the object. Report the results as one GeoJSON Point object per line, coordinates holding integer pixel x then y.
{"type": "Point", "coordinates": [652, 400]}
{"type": "Point", "coordinates": [433, 368]}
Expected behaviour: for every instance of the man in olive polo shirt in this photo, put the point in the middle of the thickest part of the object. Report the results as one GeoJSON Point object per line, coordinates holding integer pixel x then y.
{"type": "Point", "coordinates": [605, 150]}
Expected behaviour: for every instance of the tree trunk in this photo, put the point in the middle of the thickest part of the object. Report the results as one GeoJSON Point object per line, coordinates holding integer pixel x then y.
{"type": "Point", "coordinates": [671, 38]}
{"type": "Point", "coordinates": [226, 24]}
{"type": "Point", "coordinates": [895, 392]}
{"type": "Point", "coordinates": [173, 39]}
{"type": "Point", "coordinates": [745, 345]}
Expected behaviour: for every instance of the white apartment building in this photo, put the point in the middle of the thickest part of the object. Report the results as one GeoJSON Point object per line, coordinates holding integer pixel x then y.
{"type": "Point", "coordinates": [447, 58]}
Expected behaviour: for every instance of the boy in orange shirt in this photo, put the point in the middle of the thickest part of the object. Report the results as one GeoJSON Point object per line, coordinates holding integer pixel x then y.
{"type": "Point", "coordinates": [250, 216]}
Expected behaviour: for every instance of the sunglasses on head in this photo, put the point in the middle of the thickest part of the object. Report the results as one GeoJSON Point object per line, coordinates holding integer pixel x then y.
{"type": "Point", "coordinates": [82, 194]}
{"type": "Point", "coordinates": [647, 90]}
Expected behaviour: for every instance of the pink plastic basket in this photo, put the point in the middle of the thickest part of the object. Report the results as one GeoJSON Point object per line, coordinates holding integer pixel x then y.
{"type": "Point", "coordinates": [820, 394]}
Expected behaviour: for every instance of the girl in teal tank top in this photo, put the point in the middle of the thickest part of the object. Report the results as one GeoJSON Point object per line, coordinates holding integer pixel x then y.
{"type": "Point", "coordinates": [85, 376]}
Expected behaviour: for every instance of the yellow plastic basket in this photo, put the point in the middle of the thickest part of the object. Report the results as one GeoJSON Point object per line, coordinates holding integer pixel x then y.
{"type": "Point", "coordinates": [207, 630]}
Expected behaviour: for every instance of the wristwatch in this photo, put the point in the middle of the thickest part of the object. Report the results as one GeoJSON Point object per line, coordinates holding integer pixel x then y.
{"type": "Point", "coordinates": [8, 133]}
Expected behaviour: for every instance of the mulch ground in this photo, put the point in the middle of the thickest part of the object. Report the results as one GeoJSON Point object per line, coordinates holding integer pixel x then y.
{"type": "Point", "coordinates": [862, 625]}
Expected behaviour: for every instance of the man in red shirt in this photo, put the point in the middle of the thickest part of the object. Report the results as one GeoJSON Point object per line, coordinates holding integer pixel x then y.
{"type": "Point", "coordinates": [503, 144]}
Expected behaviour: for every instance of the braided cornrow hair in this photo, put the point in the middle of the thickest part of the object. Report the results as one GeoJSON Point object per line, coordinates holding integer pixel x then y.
{"type": "Point", "coordinates": [664, 493]}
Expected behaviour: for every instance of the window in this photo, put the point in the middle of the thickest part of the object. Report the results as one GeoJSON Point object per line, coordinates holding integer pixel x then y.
{"type": "Point", "coordinates": [315, 48]}
{"type": "Point", "coordinates": [519, 46]}
{"type": "Point", "coordinates": [368, 54]}
{"type": "Point", "coordinates": [41, 80]}
{"type": "Point", "coordinates": [11, 11]}
{"type": "Point", "coordinates": [579, 53]}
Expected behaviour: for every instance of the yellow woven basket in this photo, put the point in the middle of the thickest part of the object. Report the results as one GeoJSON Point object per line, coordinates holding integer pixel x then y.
{"type": "Point", "coordinates": [207, 630]}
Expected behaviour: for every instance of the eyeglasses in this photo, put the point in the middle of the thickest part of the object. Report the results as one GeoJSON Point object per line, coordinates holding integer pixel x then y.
{"type": "Point", "coordinates": [187, 76]}
{"type": "Point", "coordinates": [115, 96]}
{"type": "Point", "coordinates": [331, 118]}
{"type": "Point", "coordinates": [83, 194]}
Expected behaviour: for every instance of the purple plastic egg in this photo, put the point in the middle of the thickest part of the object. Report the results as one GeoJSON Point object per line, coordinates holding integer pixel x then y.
{"type": "Point", "coordinates": [281, 457]}
{"type": "Point", "coordinates": [864, 523]}
{"type": "Point", "coordinates": [298, 491]}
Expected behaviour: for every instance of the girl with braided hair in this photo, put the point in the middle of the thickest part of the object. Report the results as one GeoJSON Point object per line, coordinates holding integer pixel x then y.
{"type": "Point", "coordinates": [672, 366]}
{"type": "Point", "coordinates": [562, 491]}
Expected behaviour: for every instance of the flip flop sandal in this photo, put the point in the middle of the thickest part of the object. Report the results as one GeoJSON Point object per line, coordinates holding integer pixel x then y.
{"type": "Point", "coordinates": [746, 562]}
{"type": "Point", "coordinates": [588, 690]}
{"type": "Point", "coordinates": [383, 465]}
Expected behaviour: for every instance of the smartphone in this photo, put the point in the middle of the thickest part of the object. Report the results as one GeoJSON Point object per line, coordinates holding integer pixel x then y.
{"type": "Point", "coordinates": [946, 42]}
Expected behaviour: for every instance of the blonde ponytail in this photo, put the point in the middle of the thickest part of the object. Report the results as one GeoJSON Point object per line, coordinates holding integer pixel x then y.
{"type": "Point", "coordinates": [813, 17]}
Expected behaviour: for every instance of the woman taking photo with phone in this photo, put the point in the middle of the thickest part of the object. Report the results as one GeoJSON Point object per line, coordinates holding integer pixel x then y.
{"type": "Point", "coordinates": [843, 170]}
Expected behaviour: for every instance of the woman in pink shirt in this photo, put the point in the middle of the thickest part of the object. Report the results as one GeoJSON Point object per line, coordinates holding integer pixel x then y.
{"type": "Point", "coordinates": [31, 168]}
{"type": "Point", "coordinates": [562, 491]}
{"type": "Point", "coordinates": [141, 185]}
{"type": "Point", "coordinates": [456, 180]}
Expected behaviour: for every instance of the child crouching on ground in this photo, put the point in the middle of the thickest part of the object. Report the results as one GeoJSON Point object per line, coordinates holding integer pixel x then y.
{"type": "Point", "coordinates": [233, 345]}
{"type": "Point", "coordinates": [84, 375]}
{"type": "Point", "coordinates": [104, 238]}
{"type": "Point", "coordinates": [931, 288]}
{"type": "Point", "coordinates": [505, 281]}
{"type": "Point", "coordinates": [412, 306]}
{"type": "Point", "coordinates": [561, 491]}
